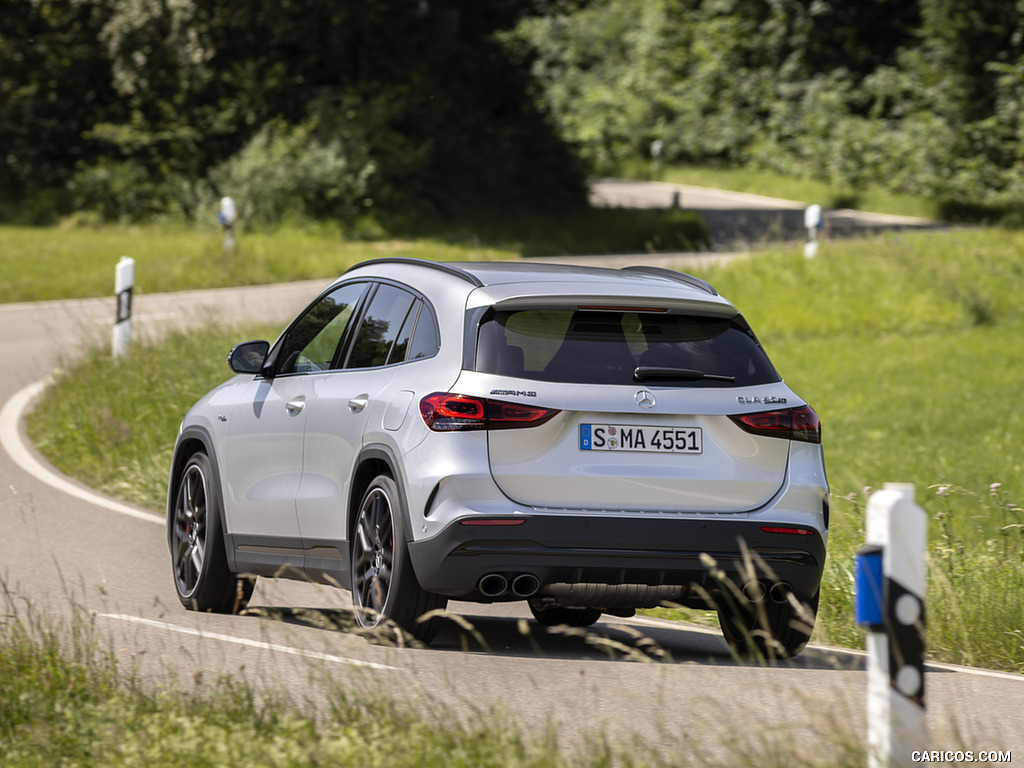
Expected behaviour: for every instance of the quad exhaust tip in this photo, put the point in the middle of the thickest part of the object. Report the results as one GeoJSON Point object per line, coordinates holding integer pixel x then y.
{"type": "Point", "coordinates": [756, 591]}
{"type": "Point", "coordinates": [525, 585]}
{"type": "Point", "coordinates": [780, 592]}
{"type": "Point", "coordinates": [492, 585]}
{"type": "Point", "coordinates": [495, 585]}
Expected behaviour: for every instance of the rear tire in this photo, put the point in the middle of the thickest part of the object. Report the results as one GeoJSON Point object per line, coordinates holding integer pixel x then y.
{"type": "Point", "coordinates": [552, 616]}
{"type": "Point", "coordinates": [768, 630]}
{"type": "Point", "coordinates": [202, 578]}
{"type": "Point", "coordinates": [384, 585]}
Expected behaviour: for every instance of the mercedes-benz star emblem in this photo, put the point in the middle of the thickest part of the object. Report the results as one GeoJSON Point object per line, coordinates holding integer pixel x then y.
{"type": "Point", "coordinates": [644, 399]}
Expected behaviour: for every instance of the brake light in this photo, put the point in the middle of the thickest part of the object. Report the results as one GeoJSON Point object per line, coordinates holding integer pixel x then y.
{"type": "Point", "coordinates": [790, 423]}
{"type": "Point", "coordinates": [788, 530]}
{"type": "Point", "coordinates": [445, 412]}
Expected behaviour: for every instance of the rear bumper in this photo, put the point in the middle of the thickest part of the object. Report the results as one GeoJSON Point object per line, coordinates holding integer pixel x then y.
{"type": "Point", "coordinates": [601, 550]}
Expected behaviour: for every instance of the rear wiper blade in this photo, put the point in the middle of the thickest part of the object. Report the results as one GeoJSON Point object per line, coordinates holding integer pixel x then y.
{"type": "Point", "coordinates": [644, 372]}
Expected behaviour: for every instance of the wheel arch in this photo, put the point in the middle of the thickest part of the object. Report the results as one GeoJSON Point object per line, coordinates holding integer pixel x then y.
{"type": "Point", "coordinates": [374, 460]}
{"type": "Point", "coordinates": [191, 441]}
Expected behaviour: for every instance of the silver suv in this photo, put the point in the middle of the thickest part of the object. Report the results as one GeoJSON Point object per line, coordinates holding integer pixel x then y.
{"type": "Point", "coordinates": [587, 440]}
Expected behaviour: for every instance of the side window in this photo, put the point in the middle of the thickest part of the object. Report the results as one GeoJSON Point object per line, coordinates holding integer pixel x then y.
{"type": "Point", "coordinates": [381, 324]}
{"type": "Point", "coordinates": [401, 345]}
{"type": "Point", "coordinates": [424, 340]}
{"type": "Point", "coordinates": [312, 342]}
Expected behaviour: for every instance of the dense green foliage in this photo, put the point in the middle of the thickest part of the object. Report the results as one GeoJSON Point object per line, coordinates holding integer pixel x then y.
{"type": "Point", "coordinates": [399, 112]}
{"type": "Point", "coordinates": [909, 377]}
{"type": "Point", "coordinates": [923, 96]}
{"type": "Point", "coordinates": [132, 109]}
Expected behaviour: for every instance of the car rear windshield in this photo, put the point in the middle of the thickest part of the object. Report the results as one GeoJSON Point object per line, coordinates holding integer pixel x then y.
{"type": "Point", "coordinates": [608, 347]}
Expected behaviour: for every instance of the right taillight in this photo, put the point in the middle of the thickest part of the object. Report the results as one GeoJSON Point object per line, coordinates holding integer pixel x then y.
{"type": "Point", "coordinates": [789, 423]}
{"type": "Point", "coordinates": [446, 412]}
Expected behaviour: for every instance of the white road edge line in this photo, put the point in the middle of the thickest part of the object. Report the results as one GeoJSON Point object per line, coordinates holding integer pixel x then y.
{"type": "Point", "coordinates": [249, 643]}
{"type": "Point", "coordinates": [10, 438]}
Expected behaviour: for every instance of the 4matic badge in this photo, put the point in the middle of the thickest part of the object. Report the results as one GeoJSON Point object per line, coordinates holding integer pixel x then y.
{"type": "Point", "coordinates": [760, 400]}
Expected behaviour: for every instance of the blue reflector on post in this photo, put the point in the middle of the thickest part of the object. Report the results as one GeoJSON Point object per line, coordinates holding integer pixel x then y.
{"type": "Point", "coordinates": [868, 604]}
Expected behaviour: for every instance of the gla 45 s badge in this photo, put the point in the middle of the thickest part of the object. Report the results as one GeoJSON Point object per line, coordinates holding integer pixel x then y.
{"type": "Point", "coordinates": [760, 400]}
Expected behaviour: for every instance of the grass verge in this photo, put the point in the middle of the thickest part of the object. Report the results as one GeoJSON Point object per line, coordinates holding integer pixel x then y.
{"type": "Point", "coordinates": [43, 264]}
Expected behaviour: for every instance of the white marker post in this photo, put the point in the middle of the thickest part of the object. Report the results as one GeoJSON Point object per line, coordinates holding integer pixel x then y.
{"type": "Point", "coordinates": [890, 576]}
{"type": "Point", "coordinates": [657, 147]}
{"type": "Point", "coordinates": [227, 217]}
{"type": "Point", "coordinates": [813, 223]}
{"type": "Point", "coordinates": [124, 285]}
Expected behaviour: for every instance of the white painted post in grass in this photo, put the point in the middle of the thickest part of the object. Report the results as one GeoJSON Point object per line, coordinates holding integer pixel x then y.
{"type": "Point", "coordinates": [890, 575]}
{"type": "Point", "coordinates": [657, 147]}
{"type": "Point", "coordinates": [124, 285]}
{"type": "Point", "coordinates": [813, 223]}
{"type": "Point", "coordinates": [226, 217]}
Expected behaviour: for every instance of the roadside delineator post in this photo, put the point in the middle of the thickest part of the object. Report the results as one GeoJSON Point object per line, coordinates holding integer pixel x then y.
{"type": "Point", "coordinates": [657, 148]}
{"type": "Point", "coordinates": [813, 222]}
{"type": "Point", "coordinates": [124, 286]}
{"type": "Point", "coordinates": [226, 217]}
{"type": "Point", "coordinates": [890, 582]}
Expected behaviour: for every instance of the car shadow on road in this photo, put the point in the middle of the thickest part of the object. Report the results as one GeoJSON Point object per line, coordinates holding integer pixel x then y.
{"type": "Point", "coordinates": [618, 641]}
{"type": "Point", "coordinates": [613, 641]}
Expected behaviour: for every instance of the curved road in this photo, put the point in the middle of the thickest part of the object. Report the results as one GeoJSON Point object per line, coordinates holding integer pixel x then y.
{"type": "Point", "coordinates": [65, 550]}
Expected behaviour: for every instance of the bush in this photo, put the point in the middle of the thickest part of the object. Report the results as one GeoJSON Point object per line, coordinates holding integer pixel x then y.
{"type": "Point", "coordinates": [288, 173]}
{"type": "Point", "coordinates": [122, 192]}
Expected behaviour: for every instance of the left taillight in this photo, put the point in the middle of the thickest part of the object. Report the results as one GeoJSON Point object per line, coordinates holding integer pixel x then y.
{"type": "Point", "coordinates": [446, 412]}
{"type": "Point", "coordinates": [789, 423]}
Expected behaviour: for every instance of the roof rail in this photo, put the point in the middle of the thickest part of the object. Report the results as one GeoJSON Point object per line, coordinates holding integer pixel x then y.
{"type": "Point", "coordinates": [671, 274]}
{"type": "Point", "coordinates": [441, 266]}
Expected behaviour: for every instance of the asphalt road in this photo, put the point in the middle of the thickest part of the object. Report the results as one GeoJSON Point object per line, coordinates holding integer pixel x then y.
{"type": "Point", "coordinates": [66, 551]}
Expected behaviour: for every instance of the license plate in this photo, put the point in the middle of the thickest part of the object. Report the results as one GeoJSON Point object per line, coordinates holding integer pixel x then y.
{"type": "Point", "coordinates": [624, 437]}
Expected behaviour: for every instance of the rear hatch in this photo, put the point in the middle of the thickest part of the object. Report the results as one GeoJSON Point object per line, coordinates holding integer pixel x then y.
{"type": "Point", "coordinates": [646, 400]}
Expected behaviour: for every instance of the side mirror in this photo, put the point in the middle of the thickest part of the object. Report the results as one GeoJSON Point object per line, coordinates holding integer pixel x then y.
{"type": "Point", "coordinates": [249, 356]}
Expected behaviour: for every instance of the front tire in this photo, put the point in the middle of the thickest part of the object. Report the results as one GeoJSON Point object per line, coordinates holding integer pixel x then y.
{"type": "Point", "coordinates": [384, 585]}
{"type": "Point", "coordinates": [202, 578]}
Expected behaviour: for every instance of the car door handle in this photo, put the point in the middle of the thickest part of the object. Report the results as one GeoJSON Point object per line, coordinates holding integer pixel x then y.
{"type": "Point", "coordinates": [358, 403]}
{"type": "Point", "coordinates": [296, 405]}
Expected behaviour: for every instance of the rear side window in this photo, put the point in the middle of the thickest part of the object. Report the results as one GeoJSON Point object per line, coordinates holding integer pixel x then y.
{"type": "Point", "coordinates": [606, 347]}
{"type": "Point", "coordinates": [381, 326]}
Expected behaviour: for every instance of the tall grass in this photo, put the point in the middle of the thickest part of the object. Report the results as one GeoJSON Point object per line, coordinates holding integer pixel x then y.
{"type": "Point", "coordinates": [66, 700]}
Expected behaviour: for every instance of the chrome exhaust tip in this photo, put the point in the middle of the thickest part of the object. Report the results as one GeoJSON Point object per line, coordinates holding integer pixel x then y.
{"type": "Point", "coordinates": [755, 591]}
{"type": "Point", "coordinates": [492, 585]}
{"type": "Point", "coordinates": [780, 592]}
{"type": "Point", "coordinates": [525, 585]}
